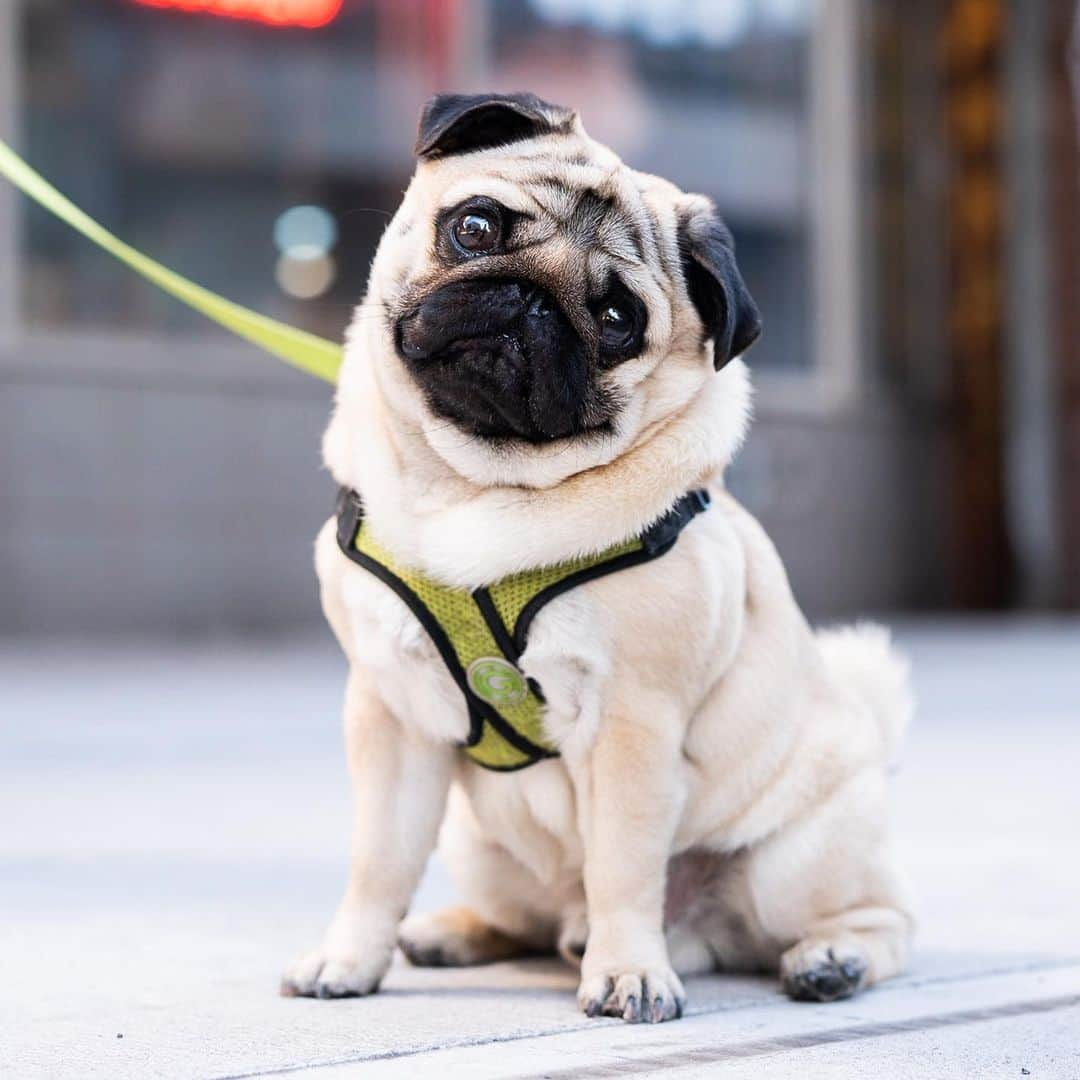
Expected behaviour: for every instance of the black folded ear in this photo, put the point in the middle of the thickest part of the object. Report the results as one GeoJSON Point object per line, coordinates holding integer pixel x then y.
{"type": "Point", "coordinates": [715, 285]}
{"type": "Point", "coordinates": [459, 123]}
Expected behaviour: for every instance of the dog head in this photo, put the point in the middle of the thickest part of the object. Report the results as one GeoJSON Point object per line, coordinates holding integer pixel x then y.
{"type": "Point", "coordinates": [539, 304]}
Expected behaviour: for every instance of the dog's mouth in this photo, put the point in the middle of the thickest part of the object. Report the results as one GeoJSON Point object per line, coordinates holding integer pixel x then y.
{"type": "Point", "coordinates": [489, 387]}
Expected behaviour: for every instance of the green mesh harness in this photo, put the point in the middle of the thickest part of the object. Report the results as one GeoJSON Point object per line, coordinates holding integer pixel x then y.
{"type": "Point", "coordinates": [481, 634]}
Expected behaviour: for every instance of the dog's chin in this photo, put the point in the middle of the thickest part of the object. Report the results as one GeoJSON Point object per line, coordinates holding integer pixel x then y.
{"type": "Point", "coordinates": [508, 461]}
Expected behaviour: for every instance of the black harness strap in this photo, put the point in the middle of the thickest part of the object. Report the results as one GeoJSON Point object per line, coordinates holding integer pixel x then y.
{"type": "Point", "coordinates": [658, 539]}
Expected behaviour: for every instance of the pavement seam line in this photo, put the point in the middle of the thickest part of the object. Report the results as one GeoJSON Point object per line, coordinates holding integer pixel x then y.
{"type": "Point", "coordinates": [784, 1043]}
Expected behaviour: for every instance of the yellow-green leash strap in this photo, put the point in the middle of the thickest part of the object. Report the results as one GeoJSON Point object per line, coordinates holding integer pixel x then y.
{"type": "Point", "coordinates": [305, 351]}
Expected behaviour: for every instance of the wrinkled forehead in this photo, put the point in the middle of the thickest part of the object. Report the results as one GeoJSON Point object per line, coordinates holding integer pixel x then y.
{"type": "Point", "coordinates": [579, 210]}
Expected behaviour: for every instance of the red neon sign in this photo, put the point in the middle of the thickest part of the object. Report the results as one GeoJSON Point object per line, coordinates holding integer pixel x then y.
{"type": "Point", "coordinates": [306, 13]}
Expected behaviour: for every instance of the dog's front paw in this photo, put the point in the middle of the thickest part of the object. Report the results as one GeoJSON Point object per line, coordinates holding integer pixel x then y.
{"type": "Point", "coordinates": [322, 974]}
{"type": "Point", "coordinates": [817, 970]}
{"type": "Point", "coordinates": [638, 994]}
{"type": "Point", "coordinates": [351, 962]}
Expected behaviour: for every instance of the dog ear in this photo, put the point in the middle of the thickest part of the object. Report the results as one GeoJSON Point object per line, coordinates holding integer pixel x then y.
{"type": "Point", "coordinates": [714, 283]}
{"type": "Point", "coordinates": [459, 123]}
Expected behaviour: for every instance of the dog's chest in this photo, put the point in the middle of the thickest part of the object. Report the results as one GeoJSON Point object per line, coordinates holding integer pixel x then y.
{"type": "Point", "coordinates": [564, 655]}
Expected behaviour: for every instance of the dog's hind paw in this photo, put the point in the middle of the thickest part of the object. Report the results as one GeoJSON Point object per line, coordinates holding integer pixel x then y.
{"type": "Point", "coordinates": [823, 971]}
{"type": "Point", "coordinates": [456, 937]}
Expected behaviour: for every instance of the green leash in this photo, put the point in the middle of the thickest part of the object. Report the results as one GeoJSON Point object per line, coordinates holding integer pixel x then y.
{"type": "Point", "coordinates": [302, 350]}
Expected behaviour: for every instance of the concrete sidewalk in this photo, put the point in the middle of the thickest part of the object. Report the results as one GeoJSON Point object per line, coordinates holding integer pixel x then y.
{"type": "Point", "coordinates": [174, 830]}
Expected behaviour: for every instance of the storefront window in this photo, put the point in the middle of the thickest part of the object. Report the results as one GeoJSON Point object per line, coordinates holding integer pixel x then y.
{"type": "Point", "coordinates": [262, 160]}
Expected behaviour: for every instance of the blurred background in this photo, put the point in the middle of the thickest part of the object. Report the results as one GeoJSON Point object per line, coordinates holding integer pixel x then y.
{"type": "Point", "coordinates": [901, 178]}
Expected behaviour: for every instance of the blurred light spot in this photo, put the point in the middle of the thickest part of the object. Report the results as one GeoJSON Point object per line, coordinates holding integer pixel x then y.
{"type": "Point", "coordinates": [310, 228]}
{"type": "Point", "coordinates": [305, 275]}
{"type": "Point", "coordinates": [309, 14]}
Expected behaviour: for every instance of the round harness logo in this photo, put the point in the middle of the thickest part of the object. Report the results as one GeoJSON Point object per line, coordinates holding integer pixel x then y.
{"type": "Point", "coordinates": [496, 681]}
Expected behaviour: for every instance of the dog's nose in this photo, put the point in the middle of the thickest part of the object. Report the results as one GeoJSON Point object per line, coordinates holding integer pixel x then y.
{"type": "Point", "coordinates": [524, 298]}
{"type": "Point", "coordinates": [475, 309]}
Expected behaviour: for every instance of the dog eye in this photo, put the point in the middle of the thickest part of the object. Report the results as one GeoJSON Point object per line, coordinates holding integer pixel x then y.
{"type": "Point", "coordinates": [475, 232]}
{"type": "Point", "coordinates": [616, 327]}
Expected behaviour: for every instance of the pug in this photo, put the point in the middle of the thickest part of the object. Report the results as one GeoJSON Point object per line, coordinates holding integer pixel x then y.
{"type": "Point", "coordinates": [545, 373]}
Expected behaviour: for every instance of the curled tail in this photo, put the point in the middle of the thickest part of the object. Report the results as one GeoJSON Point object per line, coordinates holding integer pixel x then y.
{"type": "Point", "coordinates": [862, 659]}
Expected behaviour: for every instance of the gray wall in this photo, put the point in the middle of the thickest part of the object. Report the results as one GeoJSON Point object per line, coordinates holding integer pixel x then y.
{"type": "Point", "coordinates": [177, 503]}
